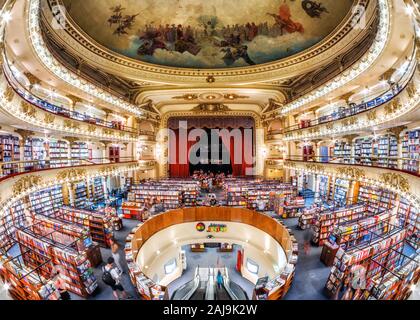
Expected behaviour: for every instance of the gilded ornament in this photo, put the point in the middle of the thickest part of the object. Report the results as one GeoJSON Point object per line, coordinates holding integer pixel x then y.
{"type": "Point", "coordinates": [28, 109]}
{"type": "Point", "coordinates": [25, 183]}
{"type": "Point", "coordinates": [71, 174]}
{"type": "Point", "coordinates": [9, 94]}
{"type": "Point", "coordinates": [354, 173]}
{"type": "Point", "coordinates": [91, 128]}
{"type": "Point", "coordinates": [396, 180]}
{"type": "Point", "coordinates": [372, 115]}
{"type": "Point", "coordinates": [49, 118]}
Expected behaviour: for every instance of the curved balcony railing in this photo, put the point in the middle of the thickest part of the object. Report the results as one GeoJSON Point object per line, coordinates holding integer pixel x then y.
{"type": "Point", "coordinates": [391, 163]}
{"type": "Point", "coordinates": [61, 111]}
{"type": "Point", "coordinates": [14, 168]}
{"type": "Point", "coordinates": [354, 109]}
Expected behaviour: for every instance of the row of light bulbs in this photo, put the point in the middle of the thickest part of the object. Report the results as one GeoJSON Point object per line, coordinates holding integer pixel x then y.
{"type": "Point", "coordinates": [407, 195]}
{"type": "Point", "coordinates": [53, 65]}
{"type": "Point", "coordinates": [349, 75]}
{"type": "Point", "coordinates": [405, 108]}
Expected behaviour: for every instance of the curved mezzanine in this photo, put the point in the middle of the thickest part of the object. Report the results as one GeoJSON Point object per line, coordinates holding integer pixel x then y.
{"type": "Point", "coordinates": [281, 236]}
{"type": "Point", "coordinates": [18, 185]}
{"type": "Point", "coordinates": [403, 183]}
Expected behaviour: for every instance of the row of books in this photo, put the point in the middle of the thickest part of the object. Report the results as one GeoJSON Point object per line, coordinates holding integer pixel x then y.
{"type": "Point", "coordinates": [47, 200]}
{"type": "Point", "coordinates": [345, 259]}
{"type": "Point", "coordinates": [9, 151]}
{"type": "Point", "coordinates": [145, 286]}
{"type": "Point", "coordinates": [411, 151]}
{"type": "Point", "coordinates": [74, 266]}
{"type": "Point", "coordinates": [326, 220]}
{"type": "Point", "coordinates": [100, 225]}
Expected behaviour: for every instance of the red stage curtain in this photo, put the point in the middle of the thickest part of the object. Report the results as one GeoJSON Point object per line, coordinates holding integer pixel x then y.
{"type": "Point", "coordinates": [177, 169]}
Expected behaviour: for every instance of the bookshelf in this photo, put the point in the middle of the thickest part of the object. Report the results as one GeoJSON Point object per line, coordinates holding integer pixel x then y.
{"type": "Point", "coordinates": [408, 217]}
{"type": "Point", "coordinates": [64, 250]}
{"type": "Point", "coordinates": [326, 220]}
{"type": "Point", "coordinates": [323, 187]}
{"type": "Point", "coordinates": [8, 224]}
{"type": "Point", "coordinates": [307, 216]}
{"type": "Point", "coordinates": [26, 283]}
{"type": "Point", "coordinates": [80, 194]}
{"type": "Point", "coordinates": [100, 225]}
{"type": "Point", "coordinates": [98, 190]}
{"type": "Point", "coordinates": [411, 151]}
{"type": "Point", "coordinates": [9, 151]}
{"type": "Point", "coordinates": [58, 150]}
{"type": "Point", "coordinates": [350, 234]}
{"type": "Point", "coordinates": [391, 275]}
{"type": "Point", "coordinates": [375, 198]}
{"type": "Point", "coordinates": [388, 151]}
{"type": "Point", "coordinates": [364, 150]}
{"type": "Point", "coordinates": [47, 201]}
{"type": "Point", "coordinates": [345, 259]}
{"type": "Point", "coordinates": [338, 192]}
{"type": "Point", "coordinates": [79, 150]}
{"type": "Point", "coordinates": [342, 149]}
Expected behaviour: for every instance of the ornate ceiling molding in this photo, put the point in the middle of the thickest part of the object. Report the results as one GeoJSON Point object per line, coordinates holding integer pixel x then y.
{"type": "Point", "coordinates": [137, 70]}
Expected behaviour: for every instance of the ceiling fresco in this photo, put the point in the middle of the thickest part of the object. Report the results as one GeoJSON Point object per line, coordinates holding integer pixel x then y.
{"type": "Point", "coordinates": [207, 34]}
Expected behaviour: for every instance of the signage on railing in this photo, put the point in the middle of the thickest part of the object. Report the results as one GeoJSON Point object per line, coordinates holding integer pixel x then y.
{"type": "Point", "coordinates": [213, 227]}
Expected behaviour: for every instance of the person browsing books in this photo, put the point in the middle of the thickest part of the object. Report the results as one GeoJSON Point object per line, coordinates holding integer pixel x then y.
{"type": "Point", "coordinates": [112, 277]}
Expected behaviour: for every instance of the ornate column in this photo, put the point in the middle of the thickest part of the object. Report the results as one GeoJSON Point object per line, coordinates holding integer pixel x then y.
{"type": "Point", "coordinates": [397, 132]}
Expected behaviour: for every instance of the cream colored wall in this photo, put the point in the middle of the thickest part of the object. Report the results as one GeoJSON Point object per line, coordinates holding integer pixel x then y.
{"type": "Point", "coordinates": [260, 247]}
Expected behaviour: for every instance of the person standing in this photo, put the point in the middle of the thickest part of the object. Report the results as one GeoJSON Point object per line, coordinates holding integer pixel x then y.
{"type": "Point", "coordinates": [60, 285]}
{"type": "Point", "coordinates": [219, 280]}
{"type": "Point", "coordinates": [112, 277]}
{"type": "Point", "coordinates": [115, 250]}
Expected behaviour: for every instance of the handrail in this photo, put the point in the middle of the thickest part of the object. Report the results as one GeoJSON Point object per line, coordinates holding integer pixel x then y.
{"type": "Point", "coordinates": [374, 162]}
{"type": "Point", "coordinates": [210, 292]}
{"type": "Point", "coordinates": [354, 109]}
{"type": "Point", "coordinates": [226, 282]}
{"type": "Point", "coordinates": [61, 111]}
{"type": "Point", "coordinates": [195, 281]}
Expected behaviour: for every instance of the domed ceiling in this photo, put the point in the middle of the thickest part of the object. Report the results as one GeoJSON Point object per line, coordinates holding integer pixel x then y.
{"type": "Point", "coordinates": [203, 34]}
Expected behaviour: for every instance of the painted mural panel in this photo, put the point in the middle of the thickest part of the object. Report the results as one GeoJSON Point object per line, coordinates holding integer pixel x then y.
{"type": "Point", "coordinates": [208, 33]}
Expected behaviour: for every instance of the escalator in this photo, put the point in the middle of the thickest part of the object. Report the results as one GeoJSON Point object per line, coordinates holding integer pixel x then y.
{"type": "Point", "coordinates": [222, 294]}
{"type": "Point", "coordinates": [199, 294]}
{"type": "Point", "coordinates": [204, 287]}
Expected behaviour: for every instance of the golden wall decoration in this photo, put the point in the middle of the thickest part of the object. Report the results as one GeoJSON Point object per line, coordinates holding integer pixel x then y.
{"type": "Point", "coordinates": [187, 97]}
{"type": "Point", "coordinates": [371, 115]}
{"type": "Point", "coordinates": [91, 128]}
{"type": "Point", "coordinates": [349, 122]}
{"type": "Point", "coordinates": [354, 173]}
{"type": "Point", "coordinates": [329, 126]}
{"type": "Point", "coordinates": [290, 164]}
{"type": "Point", "coordinates": [28, 109]}
{"type": "Point", "coordinates": [25, 183]}
{"type": "Point", "coordinates": [392, 107]}
{"type": "Point", "coordinates": [71, 124]}
{"type": "Point", "coordinates": [49, 118]}
{"type": "Point", "coordinates": [315, 167]}
{"type": "Point", "coordinates": [71, 174]}
{"type": "Point", "coordinates": [106, 170]}
{"type": "Point", "coordinates": [396, 180]}
{"type": "Point", "coordinates": [211, 108]}
{"type": "Point", "coordinates": [9, 93]}
{"type": "Point", "coordinates": [107, 132]}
